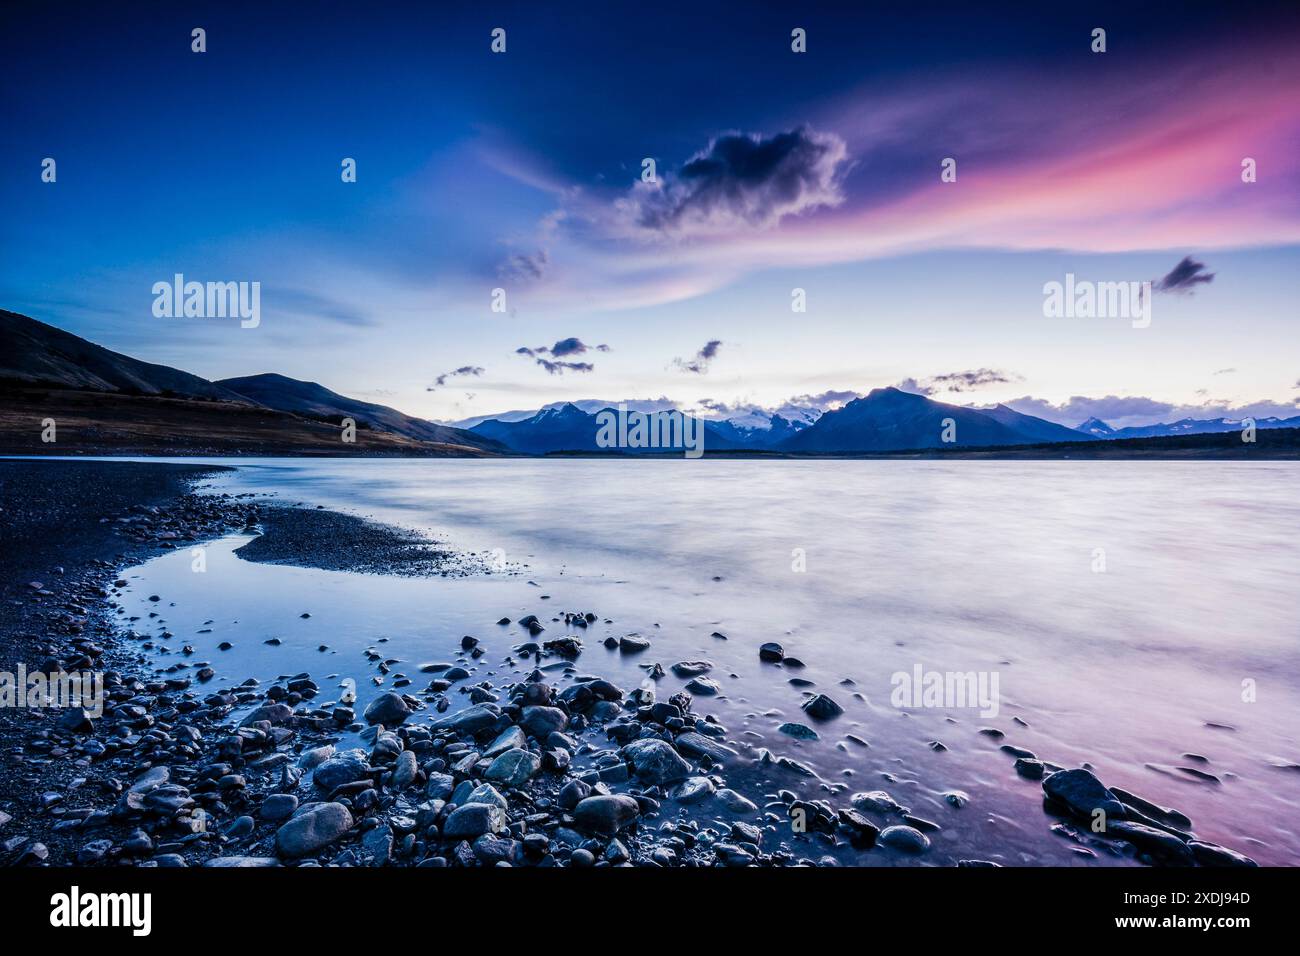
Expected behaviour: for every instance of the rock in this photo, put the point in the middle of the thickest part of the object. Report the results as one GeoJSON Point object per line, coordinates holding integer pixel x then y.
{"type": "Point", "coordinates": [151, 780]}
{"type": "Point", "coordinates": [1165, 847]}
{"type": "Point", "coordinates": [875, 801]}
{"type": "Point", "coordinates": [957, 798]}
{"type": "Point", "coordinates": [731, 855]}
{"type": "Point", "coordinates": [606, 815]}
{"type": "Point", "coordinates": [540, 721]}
{"type": "Point", "coordinates": [1165, 815]}
{"type": "Point", "coordinates": [241, 828]}
{"type": "Point", "coordinates": [93, 852]}
{"type": "Point", "coordinates": [692, 668]}
{"type": "Point", "coordinates": [633, 644]}
{"type": "Point", "coordinates": [656, 761]}
{"type": "Point", "coordinates": [573, 793]}
{"type": "Point", "coordinates": [513, 768]}
{"type": "Point", "coordinates": [692, 790]}
{"type": "Point", "coordinates": [406, 770]}
{"type": "Point", "coordinates": [347, 767]}
{"type": "Point", "coordinates": [440, 786]}
{"type": "Point", "coordinates": [798, 731]}
{"type": "Point", "coordinates": [1210, 854]}
{"type": "Point", "coordinates": [771, 651]}
{"type": "Point", "coordinates": [493, 850]}
{"type": "Point", "coordinates": [821, 707]}
{"type": "Point", "coordinates": [1029, 769]}
{"type": "Point", "coordinates": [509, 739]}
{"type": "Point", "coordinates": [703, 687]}
{"type": "Point", "coordinates": [482, 794]}
{"type": "Point", "coordinates": [377, 846]}
{"type": "Point", "coordinates": [473, 820]}
{"type": "Point", "coordinates": [862, 832]}
{"type": "Point", "coordinates": [388, 709]}
{"type": "Point", "coordinates": [1082, 793]}
{"type": "Point", "coordinates": [904, 838]}
{"type": "Point", "coordinates": [470, 720]}
{"type": "Point", "coordinates": [277, 714]}
{"type": "Point", "coordinates": [313, 758]}
{"type": "Point", "coordinates": [697, 745]}
{"type": "Point", "coordinates": [75, 720]}
{"type": "Point", "coordinates": [278, 807]}
{"type": "Point", "coordinates": [313, 829]}
{"type": "Point", "coordinates": [735, 802]}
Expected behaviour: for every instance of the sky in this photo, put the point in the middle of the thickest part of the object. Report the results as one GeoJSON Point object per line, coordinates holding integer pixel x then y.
{"type": "Point", "coordinates": [517, 178]}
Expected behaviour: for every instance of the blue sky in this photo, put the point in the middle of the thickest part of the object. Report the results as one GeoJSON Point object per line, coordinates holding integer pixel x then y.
{"type": "Point", "coordinates": [777, 171]}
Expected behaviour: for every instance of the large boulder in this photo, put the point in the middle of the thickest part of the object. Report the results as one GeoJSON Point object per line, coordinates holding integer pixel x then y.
{"type": "Point", "coordinates": [313, 829]}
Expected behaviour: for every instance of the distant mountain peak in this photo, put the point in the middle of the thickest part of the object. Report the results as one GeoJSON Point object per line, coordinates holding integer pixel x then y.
{"type": "Point", "coordinates": [1096, 427]}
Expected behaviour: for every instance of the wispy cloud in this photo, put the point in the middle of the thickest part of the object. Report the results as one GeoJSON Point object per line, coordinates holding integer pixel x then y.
{"type": "Point", "coordinates": [699, 365]}
{"type": "Point", "coordinates": [441, 380]}
{"type": "Point", "coordinates": [953, 382]}
{"type": "Point", "coordinates": [1184, 277]}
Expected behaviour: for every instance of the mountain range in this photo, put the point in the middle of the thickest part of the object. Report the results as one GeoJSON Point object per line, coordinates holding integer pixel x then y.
{"type": "Point", "coordinates": [104, 400]}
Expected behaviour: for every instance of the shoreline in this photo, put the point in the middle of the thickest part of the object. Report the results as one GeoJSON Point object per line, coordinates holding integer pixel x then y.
{"type": "Point", "coordinates": [186, 776]}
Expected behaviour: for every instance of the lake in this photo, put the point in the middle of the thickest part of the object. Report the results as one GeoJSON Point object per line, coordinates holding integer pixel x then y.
{"type": "Point", "coordinates": [1140, 617]}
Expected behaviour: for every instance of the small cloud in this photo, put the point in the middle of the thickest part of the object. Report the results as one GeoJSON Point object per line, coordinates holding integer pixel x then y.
{"type": "Point", "coordinates": [560, 350]}
{"type": "Point", "coordinates": [441, 380]}
{"type": "Point", "coordinates": [1184, 277]}
{"type": "Point", "coordinates": [699, 365]}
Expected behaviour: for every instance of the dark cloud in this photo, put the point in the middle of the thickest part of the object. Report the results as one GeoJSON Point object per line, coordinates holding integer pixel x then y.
{"type": "Point", "coordinates": [957, 381]}
{"type": "Point", "coordinates": [745, 180]}
{"type": "Point", "coordinates": [441, 380]}
{"type": "Point", "coordinates": [560, 350]}
{"type": "Point", "coordinates": [1184, 277]}
{"type": "Point", "coordinates": [702, 360]}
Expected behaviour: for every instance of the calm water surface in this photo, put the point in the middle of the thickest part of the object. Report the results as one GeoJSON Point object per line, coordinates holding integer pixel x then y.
{"type": "Point", "coordinates": [1121, 604]}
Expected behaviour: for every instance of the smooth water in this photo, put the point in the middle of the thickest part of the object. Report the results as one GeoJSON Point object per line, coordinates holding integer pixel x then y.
{"type": "Point", "coordinates": [1132, 612]}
